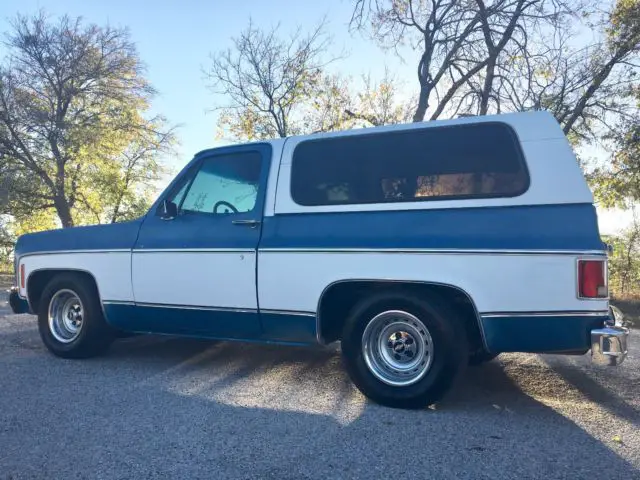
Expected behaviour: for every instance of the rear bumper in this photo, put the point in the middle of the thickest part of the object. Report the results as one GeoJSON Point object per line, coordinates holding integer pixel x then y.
{"type": "Point", "coordinates": [609, 344]}
{"type": "Point", "coordinates": [17, 304]}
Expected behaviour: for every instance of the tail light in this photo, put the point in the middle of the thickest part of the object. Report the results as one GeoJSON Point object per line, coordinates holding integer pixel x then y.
{"type": "Point", "coordinates": [22, 277]}
{"type": "Point", "coordinates": [592, 279]}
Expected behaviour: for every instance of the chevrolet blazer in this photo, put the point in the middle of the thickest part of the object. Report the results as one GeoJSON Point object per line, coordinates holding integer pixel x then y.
{"type": "Point", "coordinates": [421, 248]}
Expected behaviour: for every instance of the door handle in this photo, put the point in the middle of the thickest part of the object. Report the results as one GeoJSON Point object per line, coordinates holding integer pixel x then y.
{"type": "Point", "coordinates": [247, 223]}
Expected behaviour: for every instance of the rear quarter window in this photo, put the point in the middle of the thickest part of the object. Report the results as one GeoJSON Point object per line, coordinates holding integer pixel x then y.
{"type": "Point", "coordinates": [481, 160]}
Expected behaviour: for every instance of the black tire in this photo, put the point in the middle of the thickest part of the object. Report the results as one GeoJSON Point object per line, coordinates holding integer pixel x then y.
{"type": "Point", "coordinates": [94, 336]}
{"type": "Point", "coordinates": [450, 350]}
{"type": "Point", "coordinates": [481, 357]}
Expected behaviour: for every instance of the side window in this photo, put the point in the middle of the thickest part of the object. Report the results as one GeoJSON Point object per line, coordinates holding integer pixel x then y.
{"type": "Point", "coordinates": [224, 184]}
{"type": "Point", "coordinates": [468, 161]}
{"type": "Point", "coordinates": [178, 194]}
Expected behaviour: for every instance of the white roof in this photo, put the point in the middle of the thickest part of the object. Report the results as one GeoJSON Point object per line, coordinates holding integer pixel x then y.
{"type": "Point", "coordinates": [555, 175]}
{"type": "Point", "coordinates": [528, 126]}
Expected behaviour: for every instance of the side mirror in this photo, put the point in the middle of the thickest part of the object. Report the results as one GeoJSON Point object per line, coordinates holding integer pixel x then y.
{"type": "Point", "coordinates": [168, 210]}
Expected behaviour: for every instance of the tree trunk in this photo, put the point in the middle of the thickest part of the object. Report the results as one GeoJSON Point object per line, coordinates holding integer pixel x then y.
{"type": "Point", "coordinates": [116, 208]}
{"type": "Point", "coordinates": [598, 80]}
{"type": "Point", "coordinates": [423, 103]}
{"type": "Point", "coordinates": [488, 86]}
{"type": "Point", "coordinates": [64, 212]}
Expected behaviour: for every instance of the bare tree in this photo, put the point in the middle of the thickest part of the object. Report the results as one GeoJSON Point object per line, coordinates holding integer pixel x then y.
{"type": "Point", "coordinates": [585, 86]}
{"type": "Point", "coordinates": [442, 31]}
{"type": "Point", "coordinates": [504, 25]}
{"type": "Point", "coordinates": [459, 43]}
{"type": "Point", "coordinates": [614, 68]}
{"type": "Point", "coordinates": [485, 56]}
{"type": "Point", "coordinates": [267, 79]}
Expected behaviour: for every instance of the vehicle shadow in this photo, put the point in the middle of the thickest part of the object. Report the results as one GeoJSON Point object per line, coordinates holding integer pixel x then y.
{"type": "Point", "coordinates": [603, 395]}
{"type": "Point", "coordinates": [161, 407]}
{"type": "Point", "coordinates": [616, 390]}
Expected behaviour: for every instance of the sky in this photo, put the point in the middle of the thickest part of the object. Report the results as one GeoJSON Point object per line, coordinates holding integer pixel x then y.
{"type": "Point", "coordinates": [176, 38]}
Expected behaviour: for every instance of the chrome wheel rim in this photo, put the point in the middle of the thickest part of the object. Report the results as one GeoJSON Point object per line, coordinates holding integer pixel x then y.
{"type": "Point", "coordinates": [397, 348]}
{"type": "Point", "coordinates": [66, 316]}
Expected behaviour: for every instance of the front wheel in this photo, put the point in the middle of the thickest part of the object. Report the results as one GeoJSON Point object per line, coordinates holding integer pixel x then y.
{"type": "Point", "coordinates": [402, 351]}
{"type": "Point", "coordinates": [70, 319]}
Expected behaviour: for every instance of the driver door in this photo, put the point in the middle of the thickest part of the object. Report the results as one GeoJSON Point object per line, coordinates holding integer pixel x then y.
{"type": "Point", "coordinates": [196, 273]}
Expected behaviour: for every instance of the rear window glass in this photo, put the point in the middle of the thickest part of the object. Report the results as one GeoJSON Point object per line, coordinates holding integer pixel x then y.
{"type": "Point", "coordinates": [468, 161]}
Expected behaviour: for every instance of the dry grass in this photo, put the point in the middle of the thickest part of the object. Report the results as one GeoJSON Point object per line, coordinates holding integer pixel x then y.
{"type": "Point", "coordinates": [630, 306]}
{"type": "Point", "coordinates": [6, 281]}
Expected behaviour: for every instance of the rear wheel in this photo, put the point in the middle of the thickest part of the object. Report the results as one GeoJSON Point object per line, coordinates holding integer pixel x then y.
{"type": "Point", "coordinates": [70, 319]}
{"type": "Point", "coordinates": [402, 351]}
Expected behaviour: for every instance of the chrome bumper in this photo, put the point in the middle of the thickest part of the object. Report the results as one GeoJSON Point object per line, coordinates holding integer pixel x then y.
{"type": "Point", "coordinates": [609, 344]}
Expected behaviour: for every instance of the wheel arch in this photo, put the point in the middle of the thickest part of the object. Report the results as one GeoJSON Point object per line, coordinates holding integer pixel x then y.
{"type": "Point", "coordinates": [39, 278]}
{"type": "Point", "coordinates": [341, 295]}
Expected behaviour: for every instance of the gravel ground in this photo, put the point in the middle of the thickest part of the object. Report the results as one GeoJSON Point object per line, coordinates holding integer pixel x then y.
{"type": "Point", "coordinates": [158, 407]}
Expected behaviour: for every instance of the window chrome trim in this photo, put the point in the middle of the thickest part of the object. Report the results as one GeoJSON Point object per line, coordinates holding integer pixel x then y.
{"type": "Point", "coordinates": [215, 309]}
{"type": "Point", "coordinates": [595, 254]}
{"type": "Point", "coordinates": [141, 250]}
{"type": "Point", "coordinates": [222, 309]}
{"type": "Point", "coordinates": [589, 313]}
{"type": "Point", "coordinates": [65, 252]}
{"type": "Point", "coordinates": [296, 313]}
{"type": "Point", "coordinates": [194, 250]}
{"type": "Point", "coordinates": [196, 307]}
{"type": "Point", "coordinates": [442, 251]}
{"type": "Point", "coordinates": [118, 302]}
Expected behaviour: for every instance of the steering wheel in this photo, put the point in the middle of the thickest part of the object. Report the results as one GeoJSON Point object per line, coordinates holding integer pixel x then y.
{"type": "Point", "coordinates": [225, 204]}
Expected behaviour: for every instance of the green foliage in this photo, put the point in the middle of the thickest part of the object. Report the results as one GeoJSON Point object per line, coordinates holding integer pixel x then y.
{"type": "Point", "coordinates": [624, 27]}
{"type": "Point", "coordinates": [75, 135]}
{"type": "Point", "coordinates": [6, 246]}
{"type": "Point", "coordinates": [617, 184]}
{"type": "Point", "coordinates": [12, 227]}
{"type": "Point", "coordinates": [624, 262]}
{"type": "Point", "coordinates": [124, 169]}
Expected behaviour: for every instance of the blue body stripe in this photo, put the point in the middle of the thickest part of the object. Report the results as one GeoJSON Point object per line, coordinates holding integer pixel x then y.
{"type": "Point", "coordinates": [289, 328]}
{"type": "Point", "coordinates": [114, 236]}
{"type": "Point", "coordinates": [283, 327]}
{"type": "Point", "coordinates": [545, 227]}
{"type": "Point", "coordinates": [537, 334]}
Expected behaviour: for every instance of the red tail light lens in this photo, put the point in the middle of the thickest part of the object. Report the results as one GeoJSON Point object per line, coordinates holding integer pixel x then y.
{"type": "Point", "coordinates": [22, 278]}
{"type": "Point", "coordinates": [592, 279]}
